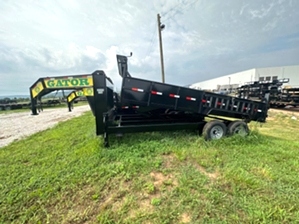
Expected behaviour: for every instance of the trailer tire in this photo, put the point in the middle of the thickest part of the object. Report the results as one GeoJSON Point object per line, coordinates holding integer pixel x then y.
{"type": "Point", "coordinates": [239, 128]}
{"type": "Point", "coordinates": [214, 130]}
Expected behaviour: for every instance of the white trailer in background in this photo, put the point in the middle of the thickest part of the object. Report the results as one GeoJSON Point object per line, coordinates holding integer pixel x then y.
{"type": "Point", "coordinates": [229, 83]}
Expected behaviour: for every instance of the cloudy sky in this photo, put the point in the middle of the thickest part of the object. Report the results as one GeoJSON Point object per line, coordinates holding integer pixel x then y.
{"type": "Point", "coordinates": [202, 39]}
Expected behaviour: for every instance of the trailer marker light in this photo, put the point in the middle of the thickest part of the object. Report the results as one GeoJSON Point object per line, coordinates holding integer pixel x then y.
{"type": "Point", "coordinates": [137, 90]}
{"type": "Point", "coordinates": [190, 98]}
{"type": "Point", "coordinates": [174, 96]}
{"type": "Point", "coordinates": [156, 93]}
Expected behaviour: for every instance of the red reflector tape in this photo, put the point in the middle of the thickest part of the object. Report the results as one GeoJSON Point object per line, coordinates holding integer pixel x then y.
{"type": "Point", "coordinates": [219, 103]}
{"type": "Point", "coordinates": [156, 93]}
{"type": "Point", "coordinates": [259, 110]}
{"type": "Point", "coordinates": [190, 98]}
{"type": "Point", "coordinates": [135, 107]}
{"type": "Point", "coordinates": [203, 101]}
{"type": "Point", "coordinates": [125, 107]}
{"type": "Point", "coordinates": [137, 90]}
{"type": "Point", "coordinates": [174, 96]}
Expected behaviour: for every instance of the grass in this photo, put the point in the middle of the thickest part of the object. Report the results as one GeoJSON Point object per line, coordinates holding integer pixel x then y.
{"type": "Point", "coordinates": [64, 175]}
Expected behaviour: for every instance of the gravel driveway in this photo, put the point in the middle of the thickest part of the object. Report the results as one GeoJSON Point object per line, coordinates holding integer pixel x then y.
{"type": "Point", "coordinates": [15, 126]}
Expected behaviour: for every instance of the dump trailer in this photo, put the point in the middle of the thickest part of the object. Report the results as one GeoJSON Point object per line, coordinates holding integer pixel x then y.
{"type": "Point", "coordinates": [146, 105]}
{"type": "Point", "coordinates": [47, 85]}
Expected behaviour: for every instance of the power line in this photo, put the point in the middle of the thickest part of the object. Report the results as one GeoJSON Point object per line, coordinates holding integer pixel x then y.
{"type": "Point", "coordinates": [149, 50]}
{"type": "Point", "coordinates": [181, 9]}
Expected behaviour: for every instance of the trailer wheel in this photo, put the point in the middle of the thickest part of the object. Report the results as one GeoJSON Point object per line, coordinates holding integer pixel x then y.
{"type": "Point", "coordinates": [214, 130]}
{"type": "Point", "coordinates": [238, 127]}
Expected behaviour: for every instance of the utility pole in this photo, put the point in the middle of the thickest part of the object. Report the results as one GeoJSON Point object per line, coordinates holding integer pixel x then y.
{"type": "Point", "coordinates": [160, 28]}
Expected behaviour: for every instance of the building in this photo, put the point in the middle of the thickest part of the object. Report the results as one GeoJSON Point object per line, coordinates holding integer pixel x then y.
{"type": "Point", "coordinates": [229, 83]}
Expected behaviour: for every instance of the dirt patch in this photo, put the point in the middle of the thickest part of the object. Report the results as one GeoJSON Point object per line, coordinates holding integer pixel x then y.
{"type": "Point", "coordinates": [212, 176]}
{"type": "Point", "coordinates": [74, 207]}
{"type": "Point", "coordinates": [168, 160]}
{"type": "Point", "coordinates": [185, 218]}
{"type": "Point", "coordinates": [158, 178]}
{"type": "Point", "coordinates": [161, 179]}
{"type": "Point", "coordinates": [143, 206]}
{"type": "Point", "coordinates": [15, 126]}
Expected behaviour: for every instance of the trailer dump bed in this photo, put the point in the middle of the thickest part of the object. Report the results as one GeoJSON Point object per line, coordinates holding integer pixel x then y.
{"type": "Point", "coordinates": [147, 96]}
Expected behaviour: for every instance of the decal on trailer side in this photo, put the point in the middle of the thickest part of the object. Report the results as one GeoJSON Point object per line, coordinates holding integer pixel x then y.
{"type": "Point", "coordinates": [71, 97]}
{"type": "Point", "coordinates": [37, 89]}
{"type": "Point", "coordinates": [88, 91]}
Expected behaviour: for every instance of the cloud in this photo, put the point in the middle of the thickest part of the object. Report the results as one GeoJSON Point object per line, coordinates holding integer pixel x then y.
{"type": "Point", "coordinates": [202, 39]}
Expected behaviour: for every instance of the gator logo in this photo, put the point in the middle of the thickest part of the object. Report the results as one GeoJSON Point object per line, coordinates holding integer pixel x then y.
{"type": "Point", "coordinates": [88, 91]}
{"type": "Point", "coordinates": [37, 89]}
{"type": "Point", "coordinates": [69, 82]}
{"type": "Point", "coordinates": [80, 93]}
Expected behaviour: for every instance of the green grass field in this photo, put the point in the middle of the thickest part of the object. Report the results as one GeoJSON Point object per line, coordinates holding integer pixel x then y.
{"type": "Point", "coordinates": [64, 175]}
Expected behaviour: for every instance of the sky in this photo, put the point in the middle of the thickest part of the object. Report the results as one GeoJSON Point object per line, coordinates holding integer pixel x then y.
{"type": "Point", "coordinates": [202, 39]}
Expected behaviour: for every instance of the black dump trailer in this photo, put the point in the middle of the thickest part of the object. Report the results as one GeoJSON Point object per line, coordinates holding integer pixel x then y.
{"type": "Point", "coordinates": [145, 105]}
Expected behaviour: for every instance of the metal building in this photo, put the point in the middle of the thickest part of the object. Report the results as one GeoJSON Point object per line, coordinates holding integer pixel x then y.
{"type": "Point", "coordinates": [229, 83]}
